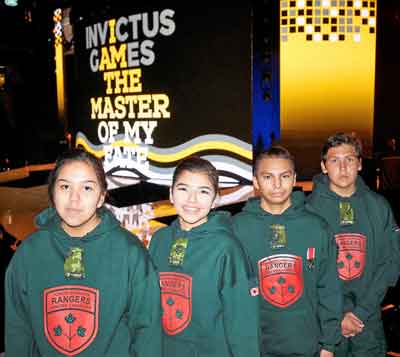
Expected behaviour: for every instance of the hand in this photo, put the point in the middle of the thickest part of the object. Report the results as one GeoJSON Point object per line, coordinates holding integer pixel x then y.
{"type": "Point", "coordinates": [325, 353]}
{"type": "Point", "coordinates": [351, 325]}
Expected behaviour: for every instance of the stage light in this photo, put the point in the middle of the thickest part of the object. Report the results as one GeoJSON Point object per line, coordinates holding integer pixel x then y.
{"type": "Point", "coordinates": [267, 77]}
{"type": "Point", "coordinates": [11, 3]}
{"type": "Point", "coordinates": [300, 4]}
{"type": "Point", "coordinates": [301, 21]}
{"type": "Point", "coordinates": [267, 97]}
{"type": "Point", "coordinates": [334, 12]}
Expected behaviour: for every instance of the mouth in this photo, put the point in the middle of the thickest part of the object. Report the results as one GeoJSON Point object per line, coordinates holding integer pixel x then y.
{"type": "Point", "coordinates": [72, 210]}
{"type": "Point", "coordinates": [190, 208]}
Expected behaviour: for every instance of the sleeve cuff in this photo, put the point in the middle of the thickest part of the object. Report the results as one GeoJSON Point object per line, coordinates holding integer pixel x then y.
{"type": "Point", "coordinates": [329, 348]}
{"type": "Point", "coordinates": [361, 313]}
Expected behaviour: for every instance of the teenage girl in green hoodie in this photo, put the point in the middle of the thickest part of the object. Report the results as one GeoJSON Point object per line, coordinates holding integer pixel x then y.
{"type": "Point", "coordinates": [81, 285]}
{"type": "Point", "coordinates": [208, 308]}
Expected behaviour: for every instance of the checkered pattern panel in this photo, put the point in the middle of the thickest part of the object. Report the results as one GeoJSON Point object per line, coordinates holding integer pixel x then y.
{"type": "Point", "coordinates": [327, 20]}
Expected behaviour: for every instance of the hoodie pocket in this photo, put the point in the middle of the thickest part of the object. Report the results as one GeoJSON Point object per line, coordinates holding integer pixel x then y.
{"type": "Point", "coordinates": [179, 348]}
{"type": "Point", "coordinates": [289, 333]}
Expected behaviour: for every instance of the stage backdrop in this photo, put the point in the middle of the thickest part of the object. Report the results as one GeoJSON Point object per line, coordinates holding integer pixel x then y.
{"type": "Point", "coordinates": [327, 74]}
{"type": "Point", "coordinates": [157, 84]}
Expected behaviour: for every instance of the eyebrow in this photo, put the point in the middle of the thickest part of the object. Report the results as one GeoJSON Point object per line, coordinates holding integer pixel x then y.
{"type": "Point", "coordinates": [188, 185]}
{"type": "Point", "coordinates": [84, 181]}
{"type": "Point", "coordinates": [345, 155]}
{"type": "Point", "coordinates": [282, 173]}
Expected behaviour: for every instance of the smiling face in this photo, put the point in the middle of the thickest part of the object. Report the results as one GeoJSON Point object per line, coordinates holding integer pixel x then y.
{"type": "Point", "coordinates": [342, 166]}
{"type": "Point", "coordinates": [193, 196]}
{"type": "Point", "coordinates": [76, 196]}
{"type": "Point", "coordinates": [275, 178]}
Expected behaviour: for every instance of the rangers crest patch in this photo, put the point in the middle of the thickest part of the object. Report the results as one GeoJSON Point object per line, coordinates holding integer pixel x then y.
{"type": "Point", "coordinates": [281, 279]}
{"type": "Point", "coordinates": [71, 317]}
{"type": "Point", "coordinates": [176, 301]}
{"type": "Point", "coordinates": [351, 255]}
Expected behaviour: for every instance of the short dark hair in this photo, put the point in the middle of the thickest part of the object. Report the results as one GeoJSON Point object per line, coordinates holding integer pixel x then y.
{"type": "Point", "coordinates": [274, 152]}
{"type": "Point", "coordinates": [71, 156]}
{"type": "Point", "coordinates": [197, 164]}
{"type": "Point", "coordinates": [341, 139]}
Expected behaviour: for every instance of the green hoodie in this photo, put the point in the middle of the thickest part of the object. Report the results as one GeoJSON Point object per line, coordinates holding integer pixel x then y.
{"type": "Point", "coordinates": [109, 306]}
{"type": "Point", "coordinates": [300, 294]}
{"type": "Point", "coordinates": [205, 291]}
{"type": "Point", "coordinates": [367, 238]}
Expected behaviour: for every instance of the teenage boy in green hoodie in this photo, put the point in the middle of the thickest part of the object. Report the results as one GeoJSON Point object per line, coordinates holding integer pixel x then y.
{"type": "Point", "coordinates": [295, 257]}
{"type": "Point", "coordinates": [367, 240]}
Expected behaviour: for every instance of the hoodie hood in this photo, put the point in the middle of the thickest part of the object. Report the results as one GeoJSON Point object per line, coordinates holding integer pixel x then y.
{"type": "Point", "coordinates": [49, 220]}
{"type": "Point", "coordinates": [321, 186]}
{"type": "Point", "coordinates": [218, 222]}
{"type": "Point", "coordinates": [253, 206]}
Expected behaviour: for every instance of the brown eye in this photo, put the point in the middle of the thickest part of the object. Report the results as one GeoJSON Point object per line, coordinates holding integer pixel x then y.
{"type": "Point", "coordinates": [205, 192]}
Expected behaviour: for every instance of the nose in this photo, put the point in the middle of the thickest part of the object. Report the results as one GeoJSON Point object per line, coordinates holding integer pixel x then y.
{"type": "Point", "coordinates": [74, 195]}
{"type": "Point", "coordinates": [192, 197]}
{"type": "Point", "coordinates": [343, 165]}
{"type": "Point", "coordinates": [277, 182]}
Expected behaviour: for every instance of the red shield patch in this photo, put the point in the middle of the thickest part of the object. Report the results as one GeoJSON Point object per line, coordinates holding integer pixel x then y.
{"type": "Point", "coordinates": [281, 279]}
{"type": "Point", "coordinates": [351, 255]}
{"type": "Point", "coordinates": [71, 317]}
{"type": "Point", "coordinates": [176, 301]}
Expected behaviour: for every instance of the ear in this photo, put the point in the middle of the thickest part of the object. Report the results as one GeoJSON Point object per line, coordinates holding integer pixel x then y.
{"type": "Point", "coordinates": [323, 167]}
{"type": "Point", "coordinates": [255, 183]}
{"type": "Point", "coordinates": [294, 179]}
{"type": "Point", "coordinates": [171, 198]}
{"type": "Point", "coordinates": [360, 165]}
{"type": "Point", "coordinates": [216, 200]}
{"type": "Point", "coordinates": [102, 198]}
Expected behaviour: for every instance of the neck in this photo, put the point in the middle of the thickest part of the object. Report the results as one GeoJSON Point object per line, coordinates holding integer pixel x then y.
{"type": "Point", "coordinates": [345, 192]}
{"type": "Point", "coordinates": [275, 209]}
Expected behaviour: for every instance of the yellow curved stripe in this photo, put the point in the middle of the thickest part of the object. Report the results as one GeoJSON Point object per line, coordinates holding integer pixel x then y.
{"type": "Point", "coordinates": [82, 142]}
{"type": "Point", "coordinates": [166, 158]}
{"type": "Point", "coordinates": [208, 145]}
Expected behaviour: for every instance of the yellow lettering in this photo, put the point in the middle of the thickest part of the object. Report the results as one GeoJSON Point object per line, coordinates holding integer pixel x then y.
{"type": "Point", "coordinates": [96, 104]}
{"type": "Point", "coordinates": [108, 77]}
{"type": "Point", "coordinates": [117, 59]}
{"type": "Point", "coordinates": [108, 108]}
{"type": "Point", "coordinates": [111, 26]}
{"type": "Point", "coordinates": [131, 100]}
{"type": "Point", "coordinates": [120, 109]}
{"type": "Point", "coordinates": [142, 106]}
{"type": "Point", "coordinates": [161, 104]}
{"type": "Point", "coordinates": [119, 56]}
{"type": "Point", "coordinates": [127, 79]}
